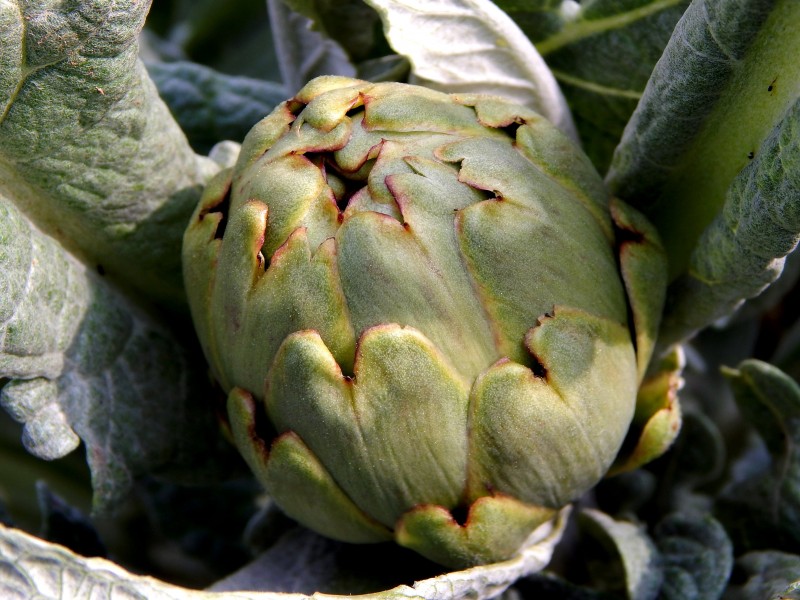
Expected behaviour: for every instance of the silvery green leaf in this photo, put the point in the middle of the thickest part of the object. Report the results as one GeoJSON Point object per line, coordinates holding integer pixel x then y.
{"type": "Point", "coordinates": [770, 575]}
{"type": "Point", "coordinates": [641, 562]}
{"type": "Point", "coordinates": [771, 297]}
{"type": "Point", "coordinates": [471, 46]}
{"type": "Point", "coordinates": [304, 53]}
{"type": "Point", "coordinates": [33, 568]}
{"type": "Point", "coordinates": [697, 557]}
{"type": "Point", "coordinates": [744, 248]}
{"type": "Point", "coordinates": [87, 148]}
{"type": "Point", "coordinates": [602, 54]}
{"type": "Point", "coordinates": [765, 508]}
{"type": "Point", "coordinates": [86, 363]}
{"type": "Point", "coordinates": [225, 153]}
{"type": "Point", "coordinates": [30, 566]}
{"type": "Point", "coordinates": [210, 106]}
{"type": "Point", "coordinates": [711, 155]}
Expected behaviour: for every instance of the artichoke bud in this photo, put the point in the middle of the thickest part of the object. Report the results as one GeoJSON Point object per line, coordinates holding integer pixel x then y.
{"type": "Point", "coordinates": [424, 294]}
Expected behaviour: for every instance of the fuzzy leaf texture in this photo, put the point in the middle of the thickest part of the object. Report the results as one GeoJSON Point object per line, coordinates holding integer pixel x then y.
{"type": "Point", "coordinates": [87, 148]}
{"type": "Point", "coordinates": [697, 557]}
{"type": "Point", "coordinates": [768, 575]}
{"type": "Point", "coordinates": [765, 509]}
{"type": "Point", "coordinates": [602, 54]}
{"type": "Point", "coordinates": [712, 155]}
{"type": "Point", "coordinates": [85, 363]}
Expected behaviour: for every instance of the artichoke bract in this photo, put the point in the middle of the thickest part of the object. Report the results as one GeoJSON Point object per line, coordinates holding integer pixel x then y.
{"type": "Point", "coordinates": [430, 320]}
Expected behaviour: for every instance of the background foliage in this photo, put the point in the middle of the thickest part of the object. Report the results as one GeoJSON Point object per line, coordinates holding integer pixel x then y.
{"type": "Point", "coordinates": [110, 122]}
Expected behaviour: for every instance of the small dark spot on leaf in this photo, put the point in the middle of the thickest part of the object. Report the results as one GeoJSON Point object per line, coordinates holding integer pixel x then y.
{"type": "Point", "coordinates": [771, 87]}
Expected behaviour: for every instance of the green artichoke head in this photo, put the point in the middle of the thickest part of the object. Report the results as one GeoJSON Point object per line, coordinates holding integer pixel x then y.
{"type": "Point", "coordinates": [430, 320]}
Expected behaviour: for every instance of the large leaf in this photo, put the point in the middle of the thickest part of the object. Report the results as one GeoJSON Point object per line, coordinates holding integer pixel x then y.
{"type": "Point", "coordinates": [763, 510]}
{"type": "Point", "coordinates": [471, 46]}
{"type": "Point", "coordinates": [351, 24]}
{"type": "Point", "coordinates": [230, 37]}
{"type": "Point", "coordinates": [602, 54]}
{"type": "Point", "coordinates": [304, 53]}
{"type": "Point", "coordinates": [30, 567]}
{"type": "Point", "coordinates": [712, 155]}
{"type": "Point", "coordinates": [211, 107]}
{"type": "Point", "coordinates": [86, 363]}
{"type": "Point", "coordinates": [87, 148]}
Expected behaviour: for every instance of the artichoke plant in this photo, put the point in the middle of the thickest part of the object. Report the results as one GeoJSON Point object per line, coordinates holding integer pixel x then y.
{"type": "Point", "coordinates": [430, 320]}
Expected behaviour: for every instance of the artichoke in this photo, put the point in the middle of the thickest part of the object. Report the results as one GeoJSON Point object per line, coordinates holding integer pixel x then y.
{"type": "Point", "coordinates": [430, 321]}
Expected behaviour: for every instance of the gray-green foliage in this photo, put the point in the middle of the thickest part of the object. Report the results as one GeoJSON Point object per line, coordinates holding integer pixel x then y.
{"type": "Point", "coordinates": [744, 248]}
{"type": "Point", "coordinates": [87, 364]}
{"type": "Point", "coordinates": [763, 509]}
{"type": "Point", "coordinates": [641, 572]}
{"type": "Point", "coordinates": [87, 149]}
{"type": "Point", "coordinates": [305, 53]}
{"type": "Point", "coordinates": [211, 107]}
{"type": "Point", "coordinates": [712, 156]}
{"type": "Point", "coordinates": [97, 182]}
{"type": "Point", "coordinates": [95, 177]}
{"type": "Point", "coordinates": [767, 575]}
{"type": "Point", "coordinates": [697, 557]}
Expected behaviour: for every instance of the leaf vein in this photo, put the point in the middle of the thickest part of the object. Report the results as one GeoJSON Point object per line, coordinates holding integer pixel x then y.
{"type": "Point", "coordinates": [578, 30]}
{"type": "Point", "coordinates": [597, 88]}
